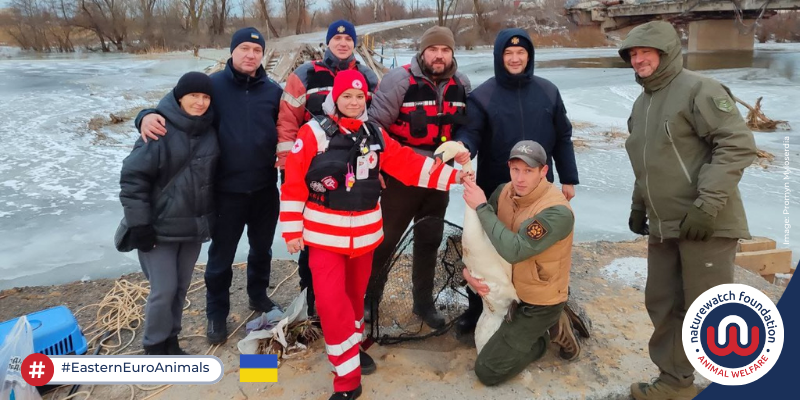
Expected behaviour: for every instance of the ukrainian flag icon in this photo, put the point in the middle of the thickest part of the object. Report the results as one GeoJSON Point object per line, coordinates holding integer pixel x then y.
{"type": "Point", "coordinates": [258, 368]}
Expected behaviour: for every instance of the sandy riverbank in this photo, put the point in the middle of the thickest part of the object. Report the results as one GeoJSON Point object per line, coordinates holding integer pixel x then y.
{"type": "Point", "coordinates": [607, 278]}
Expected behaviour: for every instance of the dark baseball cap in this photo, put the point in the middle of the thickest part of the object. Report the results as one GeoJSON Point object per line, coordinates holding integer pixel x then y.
{"type": "Point", "coordinates": [530, 153]}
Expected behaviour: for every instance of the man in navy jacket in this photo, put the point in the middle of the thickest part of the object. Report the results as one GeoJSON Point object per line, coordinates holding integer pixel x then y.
{"type": "Point", "coordinates": [512, 106]}
{"type": "Point", "coordinates": [245, 104]}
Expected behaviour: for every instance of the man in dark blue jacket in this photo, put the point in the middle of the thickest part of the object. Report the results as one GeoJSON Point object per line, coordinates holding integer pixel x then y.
{"type": "Point", "coordinates": [513, 106]}
{"type": "Point", "coordinates": [246, 104]}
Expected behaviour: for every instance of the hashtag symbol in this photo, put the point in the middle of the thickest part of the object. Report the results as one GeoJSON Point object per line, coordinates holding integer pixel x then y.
{"type": "Point", "coordinates": [37, 369]}
{"type": "Point", "coordinates": [65, 367]}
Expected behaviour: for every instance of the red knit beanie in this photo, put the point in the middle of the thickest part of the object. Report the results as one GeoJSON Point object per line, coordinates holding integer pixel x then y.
{"type": "Point", "coordinates": [348, 79]}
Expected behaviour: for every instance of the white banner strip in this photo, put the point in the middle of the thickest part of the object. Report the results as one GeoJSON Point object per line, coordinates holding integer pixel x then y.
{"type": "Point", "coordinates": [136, 369]}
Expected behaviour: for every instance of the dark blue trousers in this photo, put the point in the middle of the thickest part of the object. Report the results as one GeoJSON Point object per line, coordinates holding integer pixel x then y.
{"type": "Point", "coordinates": [259, 212]}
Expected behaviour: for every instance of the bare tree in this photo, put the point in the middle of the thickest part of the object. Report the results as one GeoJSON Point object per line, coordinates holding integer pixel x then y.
{"type": "Point", "coordinates": [392, 10]}
{"type": "Point", "coordinates": [147, 9]}
{"type": "Point", "coordinates": [219, 9]}
{"type": "Point", "coordinates": [479, 12]}
{"type": "Point", "coordinates": [444, 10]}
{"type": "Point", "coordinates": [108, 19]}
{"type": "Point", "coordinates": [25, 25]}
{"type": "Point", "coordinates": [346, 8]}
{"type": "Point", "coordinates": [135, 25]}
{"type": "Point", "coordinates": [194, 12]}
{"type": "Point", "coordinates": [414, 8]}
{"type": "Point", "coordinates": [288, 9]}
{"type": "Point", "coordinates": [378, 8]}
{"type": "Point", "coordinates": [60, 27]}
{"type": "Point", "coordinates": [264, 15]}
{"type": "Point", "coordinates": [302, 16]}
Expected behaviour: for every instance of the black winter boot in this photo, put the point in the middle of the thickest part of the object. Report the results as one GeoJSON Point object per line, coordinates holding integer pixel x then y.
{"type": "Point", "coordinates": [158, 349]}
{"type": "Point", "coordinates": [353, 394]}
{"type": "Point", "coordinates": [217, 331]}
{"type": "Point", "coordinates": [174, 348]}
{"type": "Point", "coordinates": [467, 321]}
{"type": "Point", "coordinates": [367, 363]}
{"type": "Point", "coordinates": [429, 315]}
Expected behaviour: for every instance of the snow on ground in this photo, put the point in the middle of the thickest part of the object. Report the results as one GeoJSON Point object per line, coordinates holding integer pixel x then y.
{"type": "Point", "coordinates": [631, 271]}
{"type": "Point", "coordinates": [59, 187]}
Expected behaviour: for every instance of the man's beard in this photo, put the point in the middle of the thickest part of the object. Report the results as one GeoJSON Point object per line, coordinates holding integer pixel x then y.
{"type": "Point", "coordinates": [428, 69]}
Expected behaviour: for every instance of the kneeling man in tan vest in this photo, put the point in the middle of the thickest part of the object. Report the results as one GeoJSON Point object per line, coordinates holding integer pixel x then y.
{"type": "Point", "coordinates": [529, 222]}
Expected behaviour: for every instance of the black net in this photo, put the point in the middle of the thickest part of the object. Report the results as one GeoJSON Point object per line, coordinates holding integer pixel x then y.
{"type": "Point", "coordinates": [392, 320]}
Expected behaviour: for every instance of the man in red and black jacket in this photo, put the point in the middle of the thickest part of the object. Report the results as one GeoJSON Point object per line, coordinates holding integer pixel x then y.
{"type": "Point", "coordinates": [420, 105]}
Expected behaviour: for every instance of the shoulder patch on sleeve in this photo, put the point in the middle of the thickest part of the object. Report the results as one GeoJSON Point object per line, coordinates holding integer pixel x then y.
{"type": "Point", "coordinates": [298, 145]}
{"type": "Point", "coordinates": [536, 230]}
{"type": "Point", "coordinates": [723, 103]}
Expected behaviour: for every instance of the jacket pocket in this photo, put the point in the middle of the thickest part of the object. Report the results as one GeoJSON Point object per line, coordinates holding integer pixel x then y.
{"type": "Point", "coordinates": [677, 153]}
{"type": "Point", "coordinates": [545, 270]}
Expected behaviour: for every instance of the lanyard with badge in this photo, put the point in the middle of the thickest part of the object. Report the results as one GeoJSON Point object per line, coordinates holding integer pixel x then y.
{"type": "Point", "coordinates": [364, 162]}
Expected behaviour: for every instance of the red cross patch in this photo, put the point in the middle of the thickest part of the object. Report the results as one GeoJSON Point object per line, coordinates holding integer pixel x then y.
{"type": "Point", "coordinates": [372, 159]}
{"type": "Point", "coordinates": [298, 145]}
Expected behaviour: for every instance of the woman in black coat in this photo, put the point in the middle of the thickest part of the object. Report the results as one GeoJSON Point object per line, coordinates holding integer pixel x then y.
{"type": "Point", "coordinates": [167, 195]}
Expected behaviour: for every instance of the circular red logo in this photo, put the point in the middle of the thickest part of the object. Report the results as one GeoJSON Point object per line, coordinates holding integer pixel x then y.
{"type": "Point", "coordinates": [37, 369]}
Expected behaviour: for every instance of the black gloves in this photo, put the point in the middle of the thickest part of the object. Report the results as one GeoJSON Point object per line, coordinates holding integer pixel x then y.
{"type": "Point", "coordinates": [143, 237]}
{"type": "Point", "coordinates": [697, 225]}
{"type": "Point", "coordinates": [637, 222]}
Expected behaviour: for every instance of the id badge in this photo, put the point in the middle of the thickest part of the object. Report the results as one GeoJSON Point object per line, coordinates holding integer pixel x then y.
{"type": "Point", "coordinates": [362, 167]}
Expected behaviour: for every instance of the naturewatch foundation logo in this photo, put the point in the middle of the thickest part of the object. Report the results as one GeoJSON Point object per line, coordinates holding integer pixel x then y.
{"type": "Point", "coordinates": [733, 334]}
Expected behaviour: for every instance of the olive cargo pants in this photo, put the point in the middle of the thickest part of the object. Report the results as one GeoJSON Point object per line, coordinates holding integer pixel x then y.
{"type": "Point", "coordinates": [679, 271]}
{"type": "Point", "coordinates": [517, 343]}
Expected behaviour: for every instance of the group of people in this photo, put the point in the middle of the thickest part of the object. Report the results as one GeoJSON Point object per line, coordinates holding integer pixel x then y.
{"type": "Point", "coordinates": [355, 160]}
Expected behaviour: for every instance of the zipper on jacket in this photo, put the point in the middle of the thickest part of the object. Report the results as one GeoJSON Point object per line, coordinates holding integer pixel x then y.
{"type": "Point", "coordinates": [247, 103]}
{"type": "Point", "coordinates": [646, 176]}
{"type": "Point", "coordinates": [440, 108]}
{"type": "Point", "coordinates": [521, 112]}
{"type": "Point", "coordinates": [675, 148]}
{"type": "Point", "coordinates": [439, 104]}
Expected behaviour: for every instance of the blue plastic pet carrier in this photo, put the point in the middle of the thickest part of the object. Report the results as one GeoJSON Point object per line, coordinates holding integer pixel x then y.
{"type": "Point", "coordinates": [55, 332]}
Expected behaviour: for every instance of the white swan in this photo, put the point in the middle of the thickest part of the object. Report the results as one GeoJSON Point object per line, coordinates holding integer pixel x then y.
{"type": "Point", "coordinates": [483, 262]}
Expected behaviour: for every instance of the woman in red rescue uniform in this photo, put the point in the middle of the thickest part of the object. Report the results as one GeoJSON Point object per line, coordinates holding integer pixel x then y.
{"type": "Point", "coordinates": [329, 202]}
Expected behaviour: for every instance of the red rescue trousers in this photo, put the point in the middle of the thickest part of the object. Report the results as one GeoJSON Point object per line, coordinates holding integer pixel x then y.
{"type": "Point", "coordinates": [340, 283]}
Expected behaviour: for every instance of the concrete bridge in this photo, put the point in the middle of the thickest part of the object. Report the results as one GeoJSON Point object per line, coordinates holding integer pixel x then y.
{"type": "Point", "coordinates": [713, 24]}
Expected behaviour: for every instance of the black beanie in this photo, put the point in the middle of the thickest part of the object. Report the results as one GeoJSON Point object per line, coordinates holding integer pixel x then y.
{"type": "Point", "coordinates": [192, 82]}
{"type": "Point", "coordinates": [522, 41]}
{"type": "Point", "coordinates": [248, 34]}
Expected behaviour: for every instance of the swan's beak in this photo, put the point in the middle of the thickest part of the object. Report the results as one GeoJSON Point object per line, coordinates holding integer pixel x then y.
{"type": "Point", "coordinates": [438, 159]}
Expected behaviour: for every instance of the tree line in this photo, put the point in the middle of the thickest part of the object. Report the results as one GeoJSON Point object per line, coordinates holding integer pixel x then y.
{"type": "Point", "coordinates": [159, 25]}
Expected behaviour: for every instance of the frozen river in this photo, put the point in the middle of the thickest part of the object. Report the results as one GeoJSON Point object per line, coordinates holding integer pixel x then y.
{"type": "Point", "coordinates": [59, 183]}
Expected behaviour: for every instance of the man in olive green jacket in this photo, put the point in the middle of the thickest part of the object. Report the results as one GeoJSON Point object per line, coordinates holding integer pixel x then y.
{"type": "Point", "coordinates": [688, 147]}
{"type": "Point", "coordinates": [530, 224]}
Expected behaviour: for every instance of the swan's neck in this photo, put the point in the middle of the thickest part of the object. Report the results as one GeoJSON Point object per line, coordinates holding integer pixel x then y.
{"type": "Point", "coordinates": [467, 168]}
{"type": "Point", "coordinates": [473, 230]}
